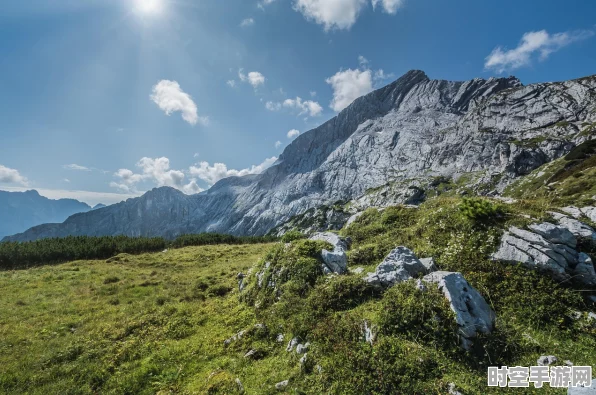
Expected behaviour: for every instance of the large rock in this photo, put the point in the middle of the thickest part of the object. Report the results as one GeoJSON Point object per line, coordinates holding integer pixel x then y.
{"type": "Point", "coordinates": [549, 248]}
{"type": "Point", "coordinates": [472, 313]}
{"type": "Point", "coordinates": [578, 228]}
{"type": "Point", "coordinates": [336, 261]}
{"type": "Point", "coordinates": [400, 265]}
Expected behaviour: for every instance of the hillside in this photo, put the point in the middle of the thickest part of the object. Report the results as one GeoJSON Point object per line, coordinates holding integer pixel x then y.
{"type": "Point", "coordinates": [179, 321]}
{"type": "Point", "coordinates": [22, 210]}
{"type": "Point", "coordinates": [403, 137]}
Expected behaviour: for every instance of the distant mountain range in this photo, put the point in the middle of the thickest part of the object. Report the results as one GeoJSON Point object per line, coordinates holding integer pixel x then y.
{"type": "Point", "coordinates": [20, 211]}
{"type": "Point", "coordinates": [386, 148]}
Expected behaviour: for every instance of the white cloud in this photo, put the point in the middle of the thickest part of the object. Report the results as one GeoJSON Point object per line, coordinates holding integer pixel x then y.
{"type": "Point", "coordinates": [313, 93]}
{"type": "Point", "coordinates": [66, 180]}
{"type": "Point", "coordinates": [171, 98]}
{"type": "Point", "coordinates": [264, 3]}
{"type": "Point", "coordinates": [231, 83]}
{"type": "Point", "coordinates": [293, 133]}
{"type": "Point", "coordinates": [247, 22]}
{"type": "Point", "coordinates": [389, 6]}
{"type": "Point", "coordinates": [212, 174]}
{"type": "Point", "coordinates": [532, 44]}
{"type": "Point", "coordinates": [312, 108]}
{"type": "Point", "coordinates": [348, 85]}
{"type": "Point", "coordinates": [12, 176]}
{"type": "Point", "coordinates": [254, 78]}
{"type": "Point", "coordinates": [362, 61]}
{"type": "Point", "coordinates": [74, 166]}
{"type": "Point", "coordinates": [271, 106]}
{"type": "Point", "coordinates": [380, 76]}
{"type": "Point", "coordinates": [154, 170]}
{"type": "Point", "coordinates": [277, 144]}
{"type": "Point", "coordinates": [332, 14]}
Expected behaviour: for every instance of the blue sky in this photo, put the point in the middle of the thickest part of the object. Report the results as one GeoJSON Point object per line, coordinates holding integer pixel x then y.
{"type": "Point", "coordinates": [104, 99]}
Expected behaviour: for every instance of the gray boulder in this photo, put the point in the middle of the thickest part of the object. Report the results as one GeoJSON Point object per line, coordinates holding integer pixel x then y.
{"type": "Point", "coordinates": [282, 385]}
{"type": "Point", "coordinates": [578, 228]}
{"type": "Point", "coordinates": [400, 265]}
{"type": "Point", "coordinates": [546, 360]}
{"type": "Point", "coordinates": [472, 314]}
{"type": "Point", "coordinates": [336, 261]}
{"type": "Point", "coordinates": [549, 249]}
{"type": "Point", "coordinates": [591, 390]}
{"type": "Point", "coordinates": [429, 264]}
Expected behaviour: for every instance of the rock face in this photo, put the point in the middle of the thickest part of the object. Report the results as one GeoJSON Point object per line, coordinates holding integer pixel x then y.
{"type": "Point", "coordinates": [336, 261]}
{"type": "Point", "coordinates": [382, 149]}
{"type": "Point", "coordinates": [400, 265]}
{"type": "Point", "coordinates": [578, 228]}
{"type": "Point", "coordinates": [549, 248]}
{"type": "Point", "coordinates": [472, 313]}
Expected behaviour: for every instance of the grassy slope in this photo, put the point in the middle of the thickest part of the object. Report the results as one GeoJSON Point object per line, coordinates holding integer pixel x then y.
{"type": "Point", "coordinates": [141, 325]}
{"type": "Point", "coordinates": [155, 323]}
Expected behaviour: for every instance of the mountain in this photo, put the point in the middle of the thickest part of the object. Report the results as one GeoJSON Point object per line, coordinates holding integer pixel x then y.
{"type": "Point", "coordinates": [21, 210]}
{"type": "Point", "coordinates": [99, 205]}
{"type": "Point", "coordinates": [387, 147]}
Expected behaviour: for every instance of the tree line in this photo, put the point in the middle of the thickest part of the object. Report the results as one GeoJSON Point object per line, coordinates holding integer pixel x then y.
{"type": "Point", "coordinates": [16, 255]}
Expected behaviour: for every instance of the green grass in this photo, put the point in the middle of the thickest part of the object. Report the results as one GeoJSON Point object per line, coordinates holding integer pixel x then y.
{"type": "Point", "coordinates": [155, 323]}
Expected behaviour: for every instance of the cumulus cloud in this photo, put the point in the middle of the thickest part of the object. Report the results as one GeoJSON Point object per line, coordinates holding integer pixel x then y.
{"type": "Point", "coordinates": [254, 78]}
{"type": "Point", "coordinates": [171, 98]}
{"type": "Point", "coordinates": [277, 144]}
{"type": "Point", "coordinates": [539, 44]}
{"type": "Point", "coordinates": [74, 166]}
{"type": "Point", "coordinates": [340, 14]}
{"type": "Point", "coordinates": [348, 85]}
{"type": "Point", "coordinates": [312, 108]}
{"type": "Point", "coordinates": [12, 176]}
{"type": "Point", "coordinates": [332, 14]}
{"type": "Point", "coordinates": [293, 133]}
{"type": "Point", "coordinates": [247, 22]}
{"type": "Point", "coordinates": [154, 170]}
{"type": "Point", "coordinates": [389, 6]}
{"type": "Point", "coordinates": [212, 174]}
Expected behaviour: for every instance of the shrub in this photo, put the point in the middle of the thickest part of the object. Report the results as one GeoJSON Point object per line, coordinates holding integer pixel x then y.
{"type": "Point", "coordinates": [292, 236]}
{"type": "Point", "coordinates": [218, 290]}
{"type": "Point", "coordinates": [418, 316]}
{"type": "Point", "coordinates": [340, 293]}
{"type": "Point", "coordinates": [478, 209]}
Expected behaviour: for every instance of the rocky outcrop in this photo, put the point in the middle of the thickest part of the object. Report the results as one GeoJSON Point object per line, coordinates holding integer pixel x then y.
{"type": "Point", "coordinates": [336, 261]}
{"type": "Point", "coordinates": [400, 265]}
{"type": "Point", "coordinates": [383, 148]}
{"type": "Point", "coordinates": [472, 313]}
{"type": "Point", "coordinates": [549, 248]}
{"type": "Point", "coordinates": [577, 228]}
{"type": "Point", "coordinates": [589, 212]}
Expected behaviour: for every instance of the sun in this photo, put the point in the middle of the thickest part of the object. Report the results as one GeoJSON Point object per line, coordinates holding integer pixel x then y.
{"type": "Point", "coordinates": [148, 6]}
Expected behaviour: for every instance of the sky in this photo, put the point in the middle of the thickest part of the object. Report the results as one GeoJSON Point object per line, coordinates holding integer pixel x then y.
{"type": "Point", "coordinates": [102, 100]}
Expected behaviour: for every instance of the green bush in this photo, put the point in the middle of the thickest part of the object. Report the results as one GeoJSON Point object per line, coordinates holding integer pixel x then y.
{"type": "Point", "coordinates": [478, 209]}
{"type": "Point", "coordinates": [292, 236]}
{"type": "Point", "coordinates": [419, 316]}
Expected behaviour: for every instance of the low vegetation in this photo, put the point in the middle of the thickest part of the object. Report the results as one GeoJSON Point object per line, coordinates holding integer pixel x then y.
{"type": "Point", "coordinates": [156, 322]}
{"type": "Point", "coordinates": [14, 255]}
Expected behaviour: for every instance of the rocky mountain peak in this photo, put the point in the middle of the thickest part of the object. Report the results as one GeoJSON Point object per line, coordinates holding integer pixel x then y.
{"type": "Point", "coordinates": [385, 148]}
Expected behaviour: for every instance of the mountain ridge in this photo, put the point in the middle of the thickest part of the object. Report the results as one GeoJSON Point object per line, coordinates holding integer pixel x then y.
{"type": "Point", "coordinates": [407, 133]}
